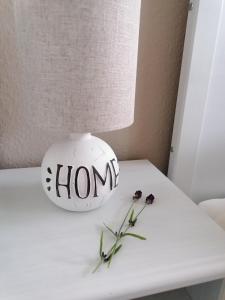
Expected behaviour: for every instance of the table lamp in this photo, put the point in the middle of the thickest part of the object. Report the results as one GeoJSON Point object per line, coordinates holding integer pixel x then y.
{"type": "Point", "coordinates": [79, 61]}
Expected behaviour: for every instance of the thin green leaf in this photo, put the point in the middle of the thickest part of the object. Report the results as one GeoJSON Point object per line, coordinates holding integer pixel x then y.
{"type": "Point", "coordinates": [118, 249]}
{"type": "Point", "coordinates": [134, 221]}
{"type": "Point", "coordinates": [97, 266]}
{"type": "Point", "coordinates": [115, 250]}
{"type": "Point", "coordinates": [110, 229]}
{"type": "Point", "coordinates": [112, 253]}
{"type": "Point", "coordinates": [131, 216]}
{"type": "Point", "coordinates": [135, 235]}
{"type": "Point", "coordinates": [101, 244]}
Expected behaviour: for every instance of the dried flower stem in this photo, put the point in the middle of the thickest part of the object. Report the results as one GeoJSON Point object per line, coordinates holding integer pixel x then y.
{"type": "Point", "coordinates": [120, 234]}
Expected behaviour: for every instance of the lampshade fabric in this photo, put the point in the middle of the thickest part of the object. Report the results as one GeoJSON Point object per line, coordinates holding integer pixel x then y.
{"type": "Point", "coordinates": [78, 61]}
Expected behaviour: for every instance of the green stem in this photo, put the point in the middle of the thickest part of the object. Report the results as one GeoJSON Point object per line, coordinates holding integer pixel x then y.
{"type": "Point", "coordinates": [118, 236]}
{"type": "Point", "coordinates": [124, 220]}
{"type": "Point", "coordinates": [113, 251]}
{"type": "Point", "coordinates": [97, 266]}
{"type": "Point", "coordinates": [141, 210]}
{"type": "Point", "coordinates": [101, 261]}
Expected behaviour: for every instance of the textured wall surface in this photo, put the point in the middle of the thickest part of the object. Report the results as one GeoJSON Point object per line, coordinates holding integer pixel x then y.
{"type": "Point", "coordinates": [160, 51]}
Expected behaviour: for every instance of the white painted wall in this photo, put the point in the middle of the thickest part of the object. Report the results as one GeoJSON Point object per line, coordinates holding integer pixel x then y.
{"type": "Point", "coordinates": [197, 164]}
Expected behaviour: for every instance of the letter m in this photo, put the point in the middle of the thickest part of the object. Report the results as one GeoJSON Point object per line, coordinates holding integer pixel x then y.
{"type": "Point", "coordinates": [101, 179]}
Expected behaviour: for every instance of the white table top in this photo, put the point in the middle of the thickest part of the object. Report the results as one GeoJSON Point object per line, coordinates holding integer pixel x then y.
{"type": "Point", "coordinates": [47, 253]}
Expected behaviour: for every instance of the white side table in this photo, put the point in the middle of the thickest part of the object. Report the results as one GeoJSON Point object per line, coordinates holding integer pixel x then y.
{"type": "Point", "coordinates": [47, 253]}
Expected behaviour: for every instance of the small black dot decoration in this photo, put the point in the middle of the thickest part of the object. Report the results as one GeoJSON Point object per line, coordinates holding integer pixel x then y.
{"type": "Point", "coordinates": [48, 179]}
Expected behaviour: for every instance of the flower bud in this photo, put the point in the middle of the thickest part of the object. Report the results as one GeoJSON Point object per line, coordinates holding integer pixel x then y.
{"type": "Point", "coordinates": [137, 195]}
{"type": "Point", "coordinates": [149, 199]}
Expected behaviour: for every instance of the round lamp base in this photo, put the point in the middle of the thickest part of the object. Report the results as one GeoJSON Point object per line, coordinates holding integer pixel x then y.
{"type": "Point", "coordinates": [80, 173]}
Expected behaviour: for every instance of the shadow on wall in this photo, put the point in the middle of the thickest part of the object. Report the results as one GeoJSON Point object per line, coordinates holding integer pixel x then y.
{"type": "Point", "coordinates": [162, 33]}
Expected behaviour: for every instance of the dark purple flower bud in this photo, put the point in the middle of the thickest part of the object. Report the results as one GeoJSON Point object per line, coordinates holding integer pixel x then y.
{"type": "Point", "coordinates": [149, 199]}
{"type": "Point", "coordinates": [132, 222]}
{"type": "Point", "coordinates": [137, 195]}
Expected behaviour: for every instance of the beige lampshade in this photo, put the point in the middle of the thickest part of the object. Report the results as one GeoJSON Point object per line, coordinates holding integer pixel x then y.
{"type": "Point", "coordinates": [79, 62]}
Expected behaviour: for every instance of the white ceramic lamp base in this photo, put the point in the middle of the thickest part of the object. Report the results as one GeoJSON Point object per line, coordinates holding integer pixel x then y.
{"type": "Point", "coordinates": [80, 173]}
